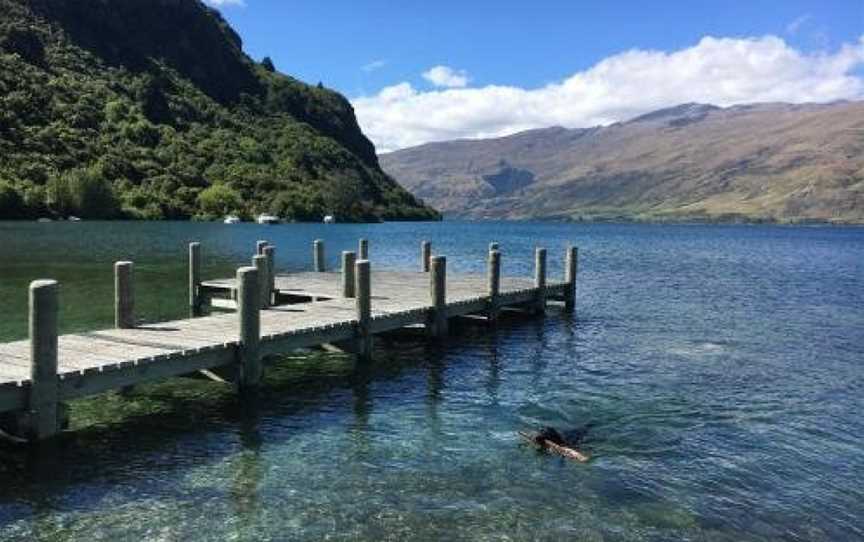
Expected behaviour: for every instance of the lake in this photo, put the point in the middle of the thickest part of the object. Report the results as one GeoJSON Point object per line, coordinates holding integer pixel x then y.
{"type": "Point", "coordinates": [717, 371]}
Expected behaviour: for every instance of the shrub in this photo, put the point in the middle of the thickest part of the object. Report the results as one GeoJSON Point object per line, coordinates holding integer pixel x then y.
{"type": "Point", "coordinates": [11, 203]}
{"type": "Point", "coordinates": [219, 200]}
{"type": "Point", "coordinates": [82, 192]}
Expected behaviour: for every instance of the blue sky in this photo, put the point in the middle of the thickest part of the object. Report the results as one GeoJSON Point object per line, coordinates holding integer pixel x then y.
{"type": "Point", "coordinates": [376, 52]}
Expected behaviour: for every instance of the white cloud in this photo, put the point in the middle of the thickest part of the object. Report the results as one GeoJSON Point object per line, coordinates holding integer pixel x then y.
{"type": "Point", "coordinates": [720, 71]}
{"type": "Point", "coordinates": [374, 65]}
{"type": "Point", "coordinates": [225, 3]}
{"type": "Point", "coordinates": [446, 77]}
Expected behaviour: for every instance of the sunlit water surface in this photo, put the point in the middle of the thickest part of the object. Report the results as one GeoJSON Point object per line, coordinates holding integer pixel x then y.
{"type": "Point", "coordinates": [718, 370]}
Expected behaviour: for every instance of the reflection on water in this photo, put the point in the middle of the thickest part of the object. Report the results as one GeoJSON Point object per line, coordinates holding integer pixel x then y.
{"type": "Point", "coordinates": [714, 373]}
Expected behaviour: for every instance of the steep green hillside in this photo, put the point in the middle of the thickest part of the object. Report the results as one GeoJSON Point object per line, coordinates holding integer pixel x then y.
{"type": "Point", "coordinates": [761, 162]}
{"type": "Point", "coordinates": [150, 109]}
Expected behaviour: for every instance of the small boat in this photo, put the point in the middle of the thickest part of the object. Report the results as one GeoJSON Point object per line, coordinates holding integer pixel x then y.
{"type": "Point", "coordinates": [231, 219]}
{"type": "Point", "coordinates": [329, 219]}
{"type": "Point", "coordinates": [73, 219]}
{"type": "Point", "coordinates": [268, 219]}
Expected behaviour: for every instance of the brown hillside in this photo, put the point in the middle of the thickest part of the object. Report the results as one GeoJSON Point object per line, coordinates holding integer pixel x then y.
{"type": "Point", "coordinates": [691, 162]}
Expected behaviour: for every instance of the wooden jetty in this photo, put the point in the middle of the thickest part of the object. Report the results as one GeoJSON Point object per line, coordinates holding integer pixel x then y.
{"type": "Point", "coordinates": [270, 314]}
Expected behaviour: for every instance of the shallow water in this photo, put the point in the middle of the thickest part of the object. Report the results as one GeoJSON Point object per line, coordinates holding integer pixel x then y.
{"type": "Point", "coordinates": [717, 367]}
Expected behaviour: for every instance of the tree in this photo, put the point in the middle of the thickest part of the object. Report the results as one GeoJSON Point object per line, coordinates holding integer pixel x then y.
{"type": "Point", "coordinates": [11, 203]}
{"type": "Point", "coordinates": [82, 192]}
{"type": "Point", "coordinates": [219, 200]}
{"type": "Point", "coordinates": [268, 65]}
{"type": "Point", "coordinates": [341, 191]}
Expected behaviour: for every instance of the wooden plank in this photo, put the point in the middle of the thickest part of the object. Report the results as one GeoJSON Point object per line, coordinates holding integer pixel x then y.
{"type": "Point", "coordinates": [93, 382]}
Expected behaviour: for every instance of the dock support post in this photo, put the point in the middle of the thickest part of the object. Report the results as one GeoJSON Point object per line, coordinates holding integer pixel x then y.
{"type": "Point", "coordinates": [318, 255]}
{"type": "Point", "coordinates": [540, 280]}
{"type": "Point", "coordinates": [363, 289]}
{"type": "Point", "coordinates": [270, 254]}
{"type": "Point", "coordinates": [260, 245]}
{"type": "Point", "coordinates": [249, 313]}
{"type": "Point", "coordinates": [259, 262]}
{"type": "Point", "coordinates": [493, 246]}
{"type": "Point", "coordinates": [571, 266]}
{"type": "Point", "coordinates": [425, 256]}
{"type": "Point", "coordinates": [494, 283]}
{"type": "Point", "coordinates": [194, 279]}
{"type": "Point", "coordinates": [124, 295]}
{"type": "Point", "coordinates": [349, 259]}
{"type": "Point", "coordinates": [42, 402]}
{"type": "Point", "coordinates": [438, 288]}
{"type": "Point", "coordinates": [363, 249]}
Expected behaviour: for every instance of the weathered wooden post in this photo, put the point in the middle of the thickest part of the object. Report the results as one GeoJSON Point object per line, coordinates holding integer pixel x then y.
{"type": "Point", "coordinates": [318, 255]}
{"type": "Point", "coordinates": [438, 290]}
{"type": "Point", "coordinates": [259, 262]}
{"type": "Point", "coordinates": [363, 249]}
{"type": "Point", "coordinates": [270, 254]}
{"type": "Point", "coordinates": [571, 266]}
{"type": "Point", "coordinates": [494, 283]}
{"type": "Point", "coordinates": [260, 245]}
{"type": "Point", "coordinates": [249, 314]}
{"type": "Point", "coordinates": [349, 259]}
{"type": "Point", "coordinates": [540, 280]}
{"type": "Point", "coordinates": [124, 295]}
{"type": "Point", "coordinates": [42, 401]}
{"type": "Point", "coordinates": [194, 279]}
{"type": "Point", "coordinates": [363, 289]}
{"type": "Point", "coordinates": [425, 255]}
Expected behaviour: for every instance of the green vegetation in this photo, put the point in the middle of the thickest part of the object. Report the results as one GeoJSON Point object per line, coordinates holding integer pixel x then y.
{"type": "Point", "coordinates": [121, 109]}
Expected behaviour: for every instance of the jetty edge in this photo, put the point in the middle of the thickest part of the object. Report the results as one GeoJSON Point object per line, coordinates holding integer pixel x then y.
{"type": "Point", "coordinates": [238, 325]}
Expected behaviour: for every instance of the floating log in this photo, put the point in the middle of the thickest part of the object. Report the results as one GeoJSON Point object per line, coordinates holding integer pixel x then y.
{"type": "Point", "coordinates": [564, 451]}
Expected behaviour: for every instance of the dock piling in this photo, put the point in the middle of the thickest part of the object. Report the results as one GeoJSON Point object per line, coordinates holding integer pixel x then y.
{"type": "Point", "coordinates": [43, 398]}
{"type": "Point", "coordinates": [363, 249]}
{"type": "Point", "coordinates": [438, 289]}
{"type": "Point", "coordinates": [540, 280]}
{"type": "Point", "coordinates": [571, 266]}
{"type": "Point", "coordinates": [124, 295]}
{"type": "Point", "coordinates": [259, 262]}
{"type": "Point", "coordinates": [363, 289]}
{"type": "Point", "coordinates": [493, 246]}
{"type": "Point", "coordinates": [349, 260]}
{"type": "Point", "coordinates": [425, 256]}
{"type": "Point", "coordinates": [270, 254]}
{"type": "Point", "coordinates": [318, 255]}
{"type": "Point", "coordinates": [194, 279]}
{"type": "Point", "coordinates": [260, 245]}
{"type": "Point", "coordinates": [494, 283]}
{"type": "Point", "coordinates": [249, 315]}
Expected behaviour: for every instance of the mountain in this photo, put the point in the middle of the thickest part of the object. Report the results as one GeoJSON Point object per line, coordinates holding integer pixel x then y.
{"type": "Point", "coordinates": [693, 162]}
{"type": "Point", "coordinates": [150, 109]}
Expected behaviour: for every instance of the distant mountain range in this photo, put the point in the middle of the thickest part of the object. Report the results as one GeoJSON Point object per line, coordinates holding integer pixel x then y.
{"type": "Point", "coordinates": [694, 162]}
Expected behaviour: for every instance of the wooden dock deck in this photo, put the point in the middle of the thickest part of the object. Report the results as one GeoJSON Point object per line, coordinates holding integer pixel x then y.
{"type": "Point", "coordinates": [274, 314]}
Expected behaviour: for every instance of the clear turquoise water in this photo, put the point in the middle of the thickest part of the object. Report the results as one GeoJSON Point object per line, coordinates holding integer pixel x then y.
{"type": "Point", "coordinates": [718, 368]}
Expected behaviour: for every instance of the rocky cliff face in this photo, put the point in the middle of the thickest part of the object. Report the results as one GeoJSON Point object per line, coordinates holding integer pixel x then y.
{"type": "Point", "coordinates": [755, 162]}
